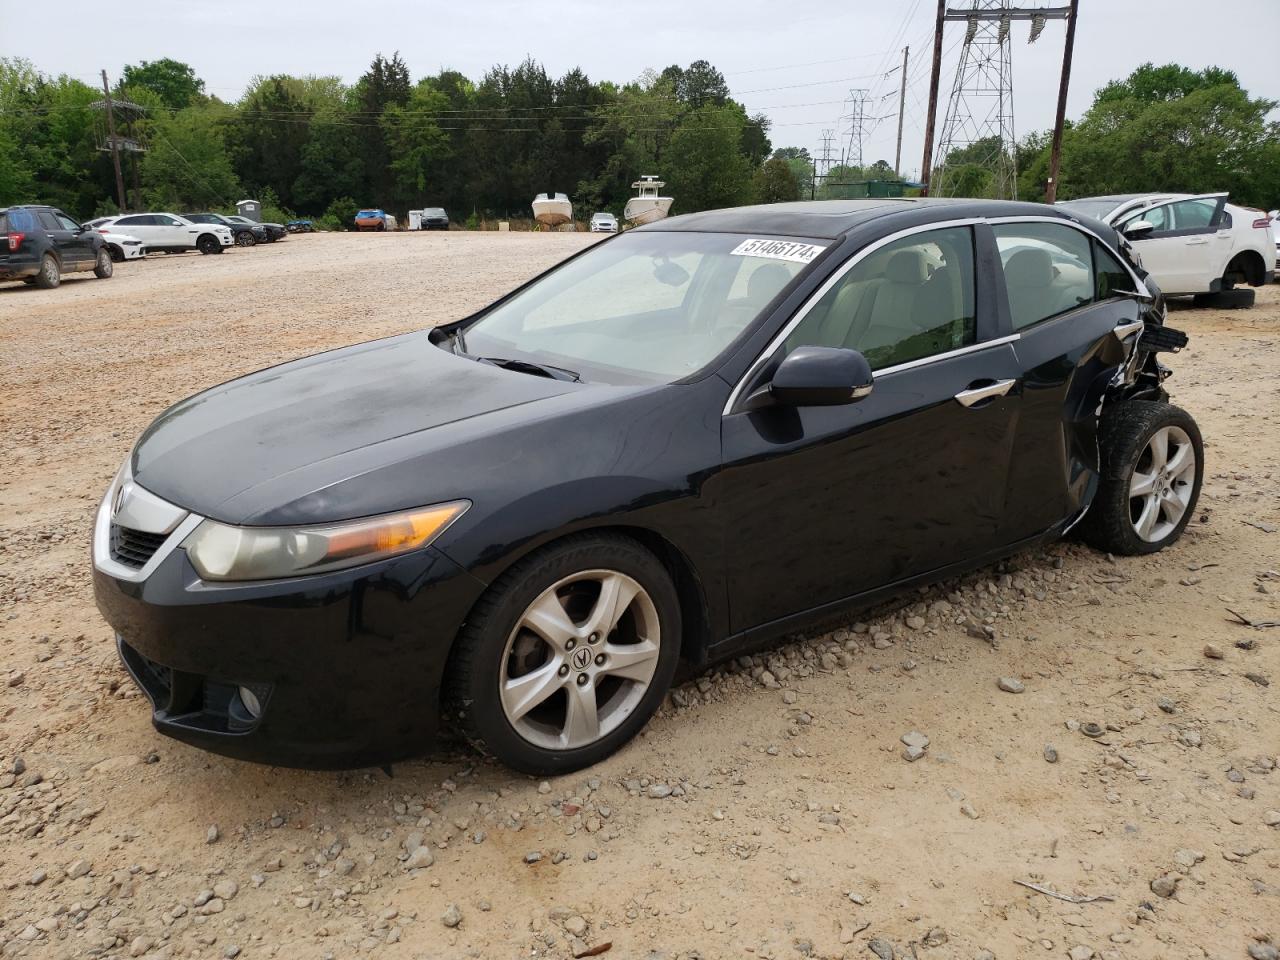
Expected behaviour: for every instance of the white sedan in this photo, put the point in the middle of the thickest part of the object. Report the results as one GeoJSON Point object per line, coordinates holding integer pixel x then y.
{"type": "Point", "coordinates": [170, 233]}
{"type": "Point", "coordinates": [121, 246]}
{"type": "Point", "coordinates": [1190, 244]}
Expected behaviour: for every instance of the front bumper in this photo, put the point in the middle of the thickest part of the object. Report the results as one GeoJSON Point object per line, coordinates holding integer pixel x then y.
{"type": "Point", "coordinates": [347, 665]}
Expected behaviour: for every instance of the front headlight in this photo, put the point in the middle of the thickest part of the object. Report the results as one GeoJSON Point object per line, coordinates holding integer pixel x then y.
{"type": "Point", "coordinates": [219, 551]}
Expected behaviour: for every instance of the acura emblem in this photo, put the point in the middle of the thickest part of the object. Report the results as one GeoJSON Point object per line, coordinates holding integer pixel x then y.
{"type": "Point", "coordinates": [125, 489]}
{"type": "Point", "coordinates": [581, 657]}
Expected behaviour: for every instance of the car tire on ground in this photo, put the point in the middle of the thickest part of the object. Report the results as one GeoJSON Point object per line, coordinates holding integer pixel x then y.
{"type": "Point", "coordinates": [1230, 299]}
{"type": "Point", "coordinates": [567, 655]}
{"type": "Point", "coordinates": [103, 268]}
{"type": "Point", "coordinates": [117, 255]}
{"type": "Point", "coordinates": [1152, 465]}
{"type": "Point", "coordinates": [50, 274]}
{"type": "Point", "coordinates": [208, 243]}
{"type": "Point", "coordinates": [245, 238]}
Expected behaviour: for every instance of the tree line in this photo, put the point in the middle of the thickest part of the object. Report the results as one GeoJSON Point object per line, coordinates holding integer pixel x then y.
{"type": "Point", "coordinates": [319, 147]}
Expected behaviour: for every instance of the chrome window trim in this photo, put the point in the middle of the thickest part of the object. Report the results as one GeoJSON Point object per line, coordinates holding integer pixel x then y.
{"type": "Point", "coordinates": [102, 536]}
{"type": "Point", "coordinates": [822, 291]}
{"type": "Point", "coordinates": [957, 352]}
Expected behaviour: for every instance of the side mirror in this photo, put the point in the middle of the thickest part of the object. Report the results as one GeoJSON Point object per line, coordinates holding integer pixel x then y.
{"type": "Point", "coordinates": [821, 377]}
{"type": "Point", "coordinates": [1137, 229]}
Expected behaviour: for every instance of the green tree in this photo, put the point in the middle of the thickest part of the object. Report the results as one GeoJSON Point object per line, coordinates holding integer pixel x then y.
{"type": "Point", "coordinates": [419, 148]}
{"type": "Point", "coordinates": [1166, 128]}
{"type": "Point", "coordinates": [267, 135]}
{"type": "Point", "coordinates": [385, 84]}
{"type": "Point", "coordinates": [175, 83]}
{"type": "Point", "coordinates": [188, 166]}
{"type": "Point", "coordinates": [708, 169]}
{"type": "Point", "coordinates": [774, 182]}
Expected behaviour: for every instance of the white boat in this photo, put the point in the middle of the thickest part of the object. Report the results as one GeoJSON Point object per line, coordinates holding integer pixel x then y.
{"type": "Point", "coordinates": [552, 209]}
{"type": "Point", "coordinates": [646, 206]}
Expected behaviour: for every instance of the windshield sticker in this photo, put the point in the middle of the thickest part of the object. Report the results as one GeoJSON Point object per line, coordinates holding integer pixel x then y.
{"type": "Point", "coordinates": [777, 250]}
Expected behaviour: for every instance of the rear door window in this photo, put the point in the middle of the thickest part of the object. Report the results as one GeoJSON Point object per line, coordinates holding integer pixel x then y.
{"type": "Point", "coordinates": [48, 220]}
{"type": "Point", "coordinates": [1048, 270]}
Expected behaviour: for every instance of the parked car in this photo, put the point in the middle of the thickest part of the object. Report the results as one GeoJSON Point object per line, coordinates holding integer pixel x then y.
{"type": "Point", "coordinates": [1200, 245]}
{"type": "Point", "coordinates": [170, 233]}
{"type": "Point", "coordinates": [604, 222]}
{"type": "Point", "coordinates": [708, 431]}
{"type": "Point", "coordinates": [244, 234]}
{"type": "Point", "coordinates": [274, 231]}
{"type": "Point", "coordinates": [121, 246]}
{"type": "Point", "coordinates": [435, 218]}
{"type": "Point", "coordinates": [39, 244]}
{"type": "Point", "coordinates": [300, 226]}
{"type": "Point", "coordinates": [372, 220]}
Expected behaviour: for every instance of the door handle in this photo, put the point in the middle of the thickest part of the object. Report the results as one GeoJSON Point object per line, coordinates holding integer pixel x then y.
{"type": "Point", "coordinates": [1197, 241]}
{"type": "Point", "coordinates": [967, 398]}
{"type": "Point", "coordinates": [1124, 329]}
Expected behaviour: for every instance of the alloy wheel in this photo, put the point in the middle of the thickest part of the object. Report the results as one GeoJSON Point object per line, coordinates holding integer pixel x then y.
{"type": "Point", "coordinates": [1162, 484]}
{"type": "Point", "coordinates": [580, 659]}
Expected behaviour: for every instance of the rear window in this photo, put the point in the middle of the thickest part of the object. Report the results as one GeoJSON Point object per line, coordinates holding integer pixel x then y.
{"type": "Point", "coordinates": [17, 221]}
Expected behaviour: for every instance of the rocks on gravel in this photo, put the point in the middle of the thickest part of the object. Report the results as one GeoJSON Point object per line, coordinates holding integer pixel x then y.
{"type": "Point", "coordinates": [78, 869]}
{"type": "Point", "coordinates": [1010, 685]}
{"type": "Point", "coordinates": [211, 835]}
{"type": "Point", "coordinates": [452, 916]}
{"type": "Point", "coordinates": [1165, 886]}
{"type": "Point", "coordinates": [916, 744]}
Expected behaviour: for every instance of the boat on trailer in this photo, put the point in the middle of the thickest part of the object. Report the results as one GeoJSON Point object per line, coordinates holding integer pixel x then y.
{"type": "Point", "coordinates": [647, 206]}
{"type": "Point", "coordinates": [552, 209]}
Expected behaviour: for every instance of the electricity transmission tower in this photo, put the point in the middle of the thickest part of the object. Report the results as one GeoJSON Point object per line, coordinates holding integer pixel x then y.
{"type": "Point", "coordinates": [980, 109]}
{"type": "Point", "coordinates": [823, 165]}
{"type": "Point", "coordinates": [858, 128]}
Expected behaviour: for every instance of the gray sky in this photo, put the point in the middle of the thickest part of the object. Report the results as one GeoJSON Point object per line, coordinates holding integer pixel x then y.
{"type": "Point", "coordinates": [798, 71]}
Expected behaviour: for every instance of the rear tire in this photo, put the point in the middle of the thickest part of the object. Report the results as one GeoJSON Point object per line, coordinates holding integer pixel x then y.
{"type": "Point", "coordinates": [1151, 471]}
{"type": "Point", "coordinates": [103, 268]}
{"type": "Point", "coordinates": [50, 274]}
{"type": "Point", "coordinates": [208, 243]}
{"type": "Point", "coordinates": [587, 692]}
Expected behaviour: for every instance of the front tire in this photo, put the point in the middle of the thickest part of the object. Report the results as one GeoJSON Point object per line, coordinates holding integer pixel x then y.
{"type": "Point", "coordinates": [245, 238]}
{"type": "Point", "coordinates": [103, 268]}
{"type": "Point", "coordinates": [50, 274]}
{"type": "Point", "coordinates": [567, 655]}
{"type": "Point", "coordinates": [1152, 468]}
{"type": "Point", "coordinates": [208, 244]}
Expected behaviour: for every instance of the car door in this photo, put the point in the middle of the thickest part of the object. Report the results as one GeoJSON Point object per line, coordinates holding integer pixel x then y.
{"type": "Point", "coordinates": [62, 239]}
{"type": "Point", "coordinates": [142, 226]}
{"type": "Point", "coordinates": [1072, 309]}
{"type": "Point", "coordinates": [79, 240]}
{"type": "Point", "coordinates": [1184, 249]}
{"type": "Point", "coordinates": [178, 233]}
{"type": "Point", "coordinates": [821, 504]}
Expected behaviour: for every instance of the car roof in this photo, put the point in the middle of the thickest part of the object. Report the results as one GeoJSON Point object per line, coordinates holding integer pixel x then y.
{"type": "Point", "coordinates": [831, 219]}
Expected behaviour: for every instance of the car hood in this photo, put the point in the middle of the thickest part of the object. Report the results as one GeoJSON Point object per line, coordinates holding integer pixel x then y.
{"type": "Point", "coordinates": [241, 450]}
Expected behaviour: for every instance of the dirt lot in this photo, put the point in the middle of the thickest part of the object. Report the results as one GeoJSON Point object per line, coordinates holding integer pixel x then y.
{"type": "Point", "coordinates": [768, 810]}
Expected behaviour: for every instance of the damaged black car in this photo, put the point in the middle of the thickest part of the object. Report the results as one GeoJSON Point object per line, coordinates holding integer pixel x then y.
{"type": "Point", "coordinates": [680, 443]}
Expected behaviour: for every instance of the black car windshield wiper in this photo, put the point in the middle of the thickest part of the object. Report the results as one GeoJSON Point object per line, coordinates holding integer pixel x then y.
{"type": "Point", "coordinates": [528, 366]}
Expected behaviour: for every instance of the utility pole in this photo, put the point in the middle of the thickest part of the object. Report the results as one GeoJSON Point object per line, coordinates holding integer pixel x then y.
{"type": "Point", "coordinates": [934, 77]}
{"type": "Point", "coordinates": [115, 147]}
{"type": "Point", "coordinates": [1055, 152]}
{"type": "Point", "coordinates": [902, 105]}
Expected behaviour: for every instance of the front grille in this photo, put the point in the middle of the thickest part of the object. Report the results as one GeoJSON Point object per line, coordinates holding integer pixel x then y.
{"type": "Point", "coordinates": [134, 548]}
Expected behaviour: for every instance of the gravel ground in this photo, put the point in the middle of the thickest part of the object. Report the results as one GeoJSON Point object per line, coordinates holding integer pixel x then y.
{"type": "Point", "coordinates": [770, 809]}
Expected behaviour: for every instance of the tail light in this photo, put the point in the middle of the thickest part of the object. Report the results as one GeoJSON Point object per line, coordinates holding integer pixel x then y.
{"type": "Point", "coordinates": [15, 241]}
{"type": "Point", "coordinates": [1262, 223]}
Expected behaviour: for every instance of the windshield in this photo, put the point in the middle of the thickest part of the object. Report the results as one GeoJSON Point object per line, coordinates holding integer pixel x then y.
{"type": "Point", "coordinates": [646, 307]}
{"type": "Point", "coordinates": [433, 212]}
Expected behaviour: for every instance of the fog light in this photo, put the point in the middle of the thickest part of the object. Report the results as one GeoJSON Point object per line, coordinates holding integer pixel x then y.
{"type": "Point", "coordinates": [252, 705]}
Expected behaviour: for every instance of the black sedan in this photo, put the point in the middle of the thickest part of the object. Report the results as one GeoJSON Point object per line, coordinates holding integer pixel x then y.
{"type": "Point", "coordinates": [689, 438]}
